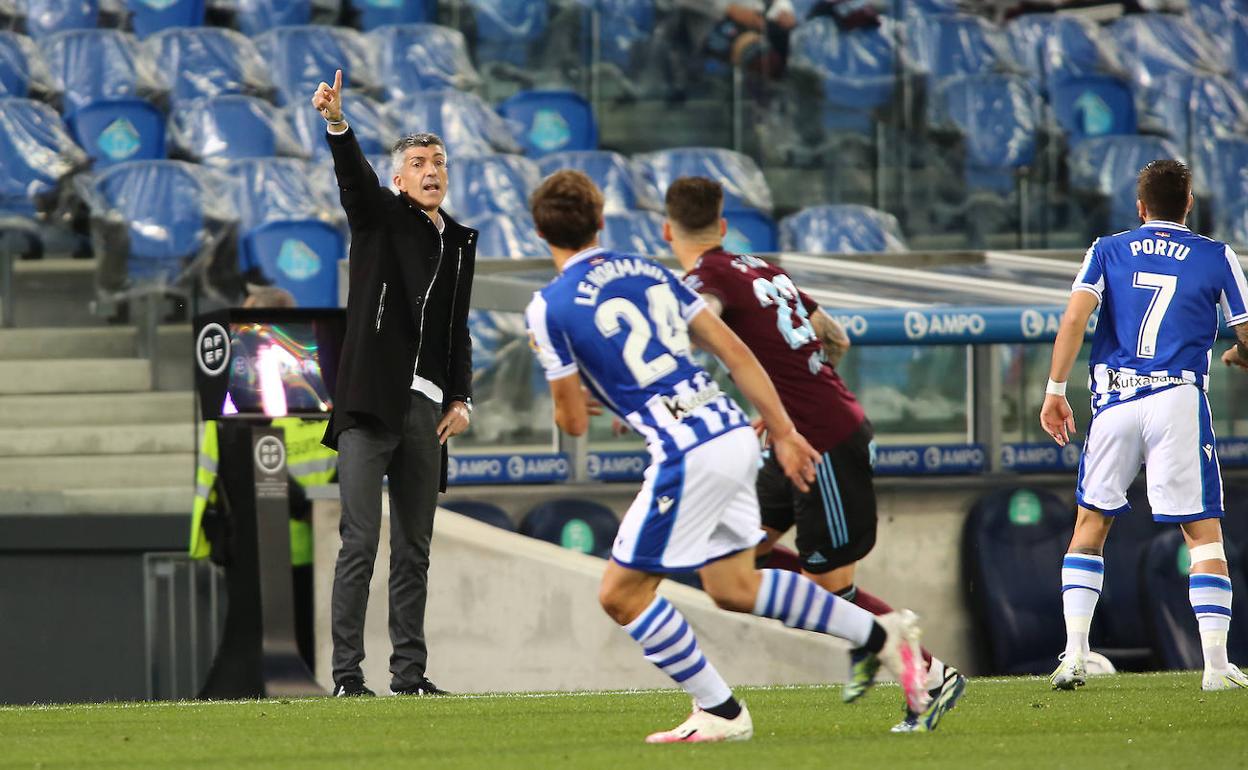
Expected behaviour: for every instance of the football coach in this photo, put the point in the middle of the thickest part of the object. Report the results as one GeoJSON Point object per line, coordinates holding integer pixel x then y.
{"type": "Point", "coordinates": [404, 385]}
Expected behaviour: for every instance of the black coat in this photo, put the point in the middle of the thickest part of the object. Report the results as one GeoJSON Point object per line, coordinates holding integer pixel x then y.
{"type": "Point", "coordinates": [393, 256]}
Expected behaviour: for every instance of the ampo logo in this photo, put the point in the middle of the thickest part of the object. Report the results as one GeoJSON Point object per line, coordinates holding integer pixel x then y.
{"type": "Point", "coordinates": [916, 325]}
{"type": "Point", "coordinates": [270, 454]}
{"type": "Point", "coordinates": [212, 349]}
{"type": "Point", "coordinates": [1008, 456]}
{"type": "Point", "coordinates": [452, 469]}
{"type": "Point", "coordinates": [515, 467]}
{"type": "Point", "coordinates": [1070, 455]}
{"type": "Point", "coordinates": [931, 457]}
{"type": "Point", "coordinates": [1033, 323]}
{"type": "Point", "coordinates": [855, 324]}
{"type": "Point", "coordinates": [593, 464]}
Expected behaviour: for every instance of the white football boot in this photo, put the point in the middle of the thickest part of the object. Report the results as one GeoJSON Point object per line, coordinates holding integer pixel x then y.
{"type": "Point", "coordinates": [1229, 678]}
{"type": "Point", "coordinates": [903, 658]}
{"type": "Point", "coordinates": [1071, 672]}
{"type": "Point", "coordinates": [705, 727]}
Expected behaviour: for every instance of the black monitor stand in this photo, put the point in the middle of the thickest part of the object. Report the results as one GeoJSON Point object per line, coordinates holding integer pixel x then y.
{"type": "Point", "coordinates": [258, 656]}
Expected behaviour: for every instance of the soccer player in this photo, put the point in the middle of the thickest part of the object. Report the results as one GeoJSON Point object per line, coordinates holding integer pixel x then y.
{"type": "Point", "coordinates": [800, 345]}
{"type": "Point", "coordinates": [1159, 287]}
{"type": "Point", "coordinates": [623, 326]}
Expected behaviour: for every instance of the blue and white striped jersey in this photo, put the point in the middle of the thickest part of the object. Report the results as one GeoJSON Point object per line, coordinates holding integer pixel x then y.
{"type": "Point", "coordinates": [621, 321]}
{"type": "Point", "coordinates": [1160, 287]}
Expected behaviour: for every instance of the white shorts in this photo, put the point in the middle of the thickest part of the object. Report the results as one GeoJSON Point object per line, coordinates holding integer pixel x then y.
{"type": "Point", "coordinates": [1171, 433]}
{"type": "Point", "coordinates": [694, 508]}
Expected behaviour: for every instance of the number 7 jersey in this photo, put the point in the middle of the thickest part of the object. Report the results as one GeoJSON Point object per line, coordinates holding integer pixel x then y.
{"type": "Point", "coordinates": [1160, 287]}
{"type": "Point", "coordinates": [621, 321]}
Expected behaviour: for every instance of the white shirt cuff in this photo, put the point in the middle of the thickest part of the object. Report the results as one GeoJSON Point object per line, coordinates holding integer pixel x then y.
{"type": "Point", "coordinates": [329, 127]}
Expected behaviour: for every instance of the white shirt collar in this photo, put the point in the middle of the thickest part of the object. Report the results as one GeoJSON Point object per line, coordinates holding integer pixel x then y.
{"type": "Point", "coordinates": [1164, 223]}
{"type": "Point", "coordinates": [581, 256]}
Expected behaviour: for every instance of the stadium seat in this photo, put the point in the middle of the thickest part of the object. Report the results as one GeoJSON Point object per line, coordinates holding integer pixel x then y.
{"type": "Point", "coordinates": [1094, 105]}
{"type": "Point", "coordinates": [1012, 549]}
{"type": "Point", "coordinates": [745, 187]}
{"type": "Point", "coordinates": [634, 232]}
{"type": "Point", "coordinates": [941, 46]}
{"type": "Point", "coordinates": [102, 64]}
{"type": "Point", "coordinates": [750, 232]}
{"type": "Point", "coordinates": [1107, 166]}
{"type": "Point", "coordinates": [578, 525]}
{"type": "Point", "coordinates": [1164, 586]}
{"type": "Point", "coordinates": [372, 14]}
{"type": "Point", "coordinates": [843, 229]}
{"type": "Point", "coordinates": [997, 117]}
{"type": "Point", "coordinates": [552, 121]}
{"type": "Point", "coordinates": [255, 17]}
{"type": "Point", "coordinates": [1119, 628]}
{"type": "Point", "coordinates": [492, 184]}
{"type": "Point", "coordinates": [368, 121]}
{"type": "Point", "coordinates": [858, 68]}
{"type": "Point", "coordinates": [505, 236]}
{"type": "Point", "coordinates": [1156, 45]}
{"type": "Point", "coordinates": [623, 26]}
{"type": "Point", "coordinates": [231, 128]}
{"type": "Point", "coordinates": [151, 16]}
{"type": "Point", "coordinates": [300, 58]}
{"type": "Point", "coordinates": [1192, 107]}
{"type": "Point", "coordinates": [465, 122]}
{"type": "Point", "coordinates": [36, 154]}
{"type": "Point", "coordinates": [209, 61]}
{"type": "Point", "coordinates": [22, 69]}
{"type": "Point", "coordinates": [422, 57]}
{"type": "Point", "coordinates": [1238, 49]}
{"type": "Point", "coordinates": [47, 17]}
{"type": "Point", "coordinates": [622, 187]}
{"type": "Point", "coordinates": [1054, 48]}
{"type": "Point", "coordinates": [117, 130]}
{"type": "Point", "coordinates": [482, 511]}
{"type": "Point", "coordinates": [505, 29]}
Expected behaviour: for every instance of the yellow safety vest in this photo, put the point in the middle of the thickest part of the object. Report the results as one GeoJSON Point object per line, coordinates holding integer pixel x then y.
{"type": "Point", "coordinates": [307, 460]}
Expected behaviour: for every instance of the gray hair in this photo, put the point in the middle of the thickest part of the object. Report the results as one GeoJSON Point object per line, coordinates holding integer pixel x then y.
{"type": "Point", "coordinates": [423, 139]}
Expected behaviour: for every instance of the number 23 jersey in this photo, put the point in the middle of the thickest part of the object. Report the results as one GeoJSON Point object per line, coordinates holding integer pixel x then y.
{"type": "Point", "coordinates": [621, 321]}
{"type": "Point", "coordinates": [1159, 287]}
{"type": "Point", "coordinates": [772, 316]}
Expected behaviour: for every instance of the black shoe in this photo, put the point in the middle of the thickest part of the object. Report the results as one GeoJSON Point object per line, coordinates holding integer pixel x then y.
{"type": "Point", "coordinates": [352, 687]}
{"type": "Point", "coordinates": [423, 687]}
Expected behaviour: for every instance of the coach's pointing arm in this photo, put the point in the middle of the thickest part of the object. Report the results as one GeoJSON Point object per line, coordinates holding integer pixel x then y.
{"type": "Point", "coordinates": [358, 187]}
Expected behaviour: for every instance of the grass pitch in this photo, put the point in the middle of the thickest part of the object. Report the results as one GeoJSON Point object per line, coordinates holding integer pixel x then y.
{"type": "Point", "coordinates": [1152, 721]}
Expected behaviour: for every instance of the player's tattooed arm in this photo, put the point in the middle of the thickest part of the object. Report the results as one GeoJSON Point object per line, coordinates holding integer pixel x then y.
{"type": "Point", "coordinates": [1237, 355]}
{"type": "Point", "coordinates": [832, 335]}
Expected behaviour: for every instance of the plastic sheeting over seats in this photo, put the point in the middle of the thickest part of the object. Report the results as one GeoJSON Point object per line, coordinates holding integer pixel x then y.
{"type": "Point", "coordinates": [465, 122]}
{"type": "Point", "coordinates": [209, 61]}
{"type": "Point", "coordinates": [492, 184]}
{"type": "Point", "coordinates": [843, 229]}
{"type": "Point", "coordinates": [623, 187]}
{"type": "Point", "coordinates": [508, 236]}
{"type": "Point", "coordinates": [634, 232]}
{"type": "Point", "coordinates": [743, 181]}
{"type": "Point", "coordinates": [23, 71]}
{"type": "Point", "coordinates": [36, 154]}
{"type": "Point", "coordinates": [1108, 166]}
{"type": "Point", "coordinates": [412, 58]}
{"type": "Point", "coordinates": [858, 68]}
{"type": "Point", "coordinates": [368, 120]}
{"type": "Point", "coordinates": [300, 58]}
{"type": "Point", "coordinates": [102, 64]}
{"type": "Point", "coordinates": [231, 128]}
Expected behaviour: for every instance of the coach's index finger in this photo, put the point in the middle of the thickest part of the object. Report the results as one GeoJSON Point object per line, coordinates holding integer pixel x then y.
{"type": "Point", "coordinates": [337, 82]}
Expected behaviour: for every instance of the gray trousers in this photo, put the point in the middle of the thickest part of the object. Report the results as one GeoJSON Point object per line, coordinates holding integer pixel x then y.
{"type": "Point", "coordinates": [413, 463]}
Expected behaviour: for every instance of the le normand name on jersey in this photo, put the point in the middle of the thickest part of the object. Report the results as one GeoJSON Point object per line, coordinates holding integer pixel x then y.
{"type": "Point", "coordinates": [597, 277]}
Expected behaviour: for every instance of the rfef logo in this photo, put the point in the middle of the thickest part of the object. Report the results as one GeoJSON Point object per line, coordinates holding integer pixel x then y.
{"type": "Point", "coordinates": [270, 455]}
{"type": "Point", "coordinates": [212, 349]}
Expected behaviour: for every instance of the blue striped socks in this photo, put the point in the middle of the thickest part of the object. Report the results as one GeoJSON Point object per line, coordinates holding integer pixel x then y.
{"type": "Point", "coordinates": [800, 603]}
{"type": "Point", "coordinates": [669, 643]}
{"type": "Point", "coordinates": [1210, 596]}
{"type": "Point", "coordinates": [1082, 578]}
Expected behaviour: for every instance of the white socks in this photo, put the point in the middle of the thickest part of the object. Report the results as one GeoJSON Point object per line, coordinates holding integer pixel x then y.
{"type": "Point", "coordinates": [1082, 578]}
{"type": "Point", "coordinates": [1210, 596]}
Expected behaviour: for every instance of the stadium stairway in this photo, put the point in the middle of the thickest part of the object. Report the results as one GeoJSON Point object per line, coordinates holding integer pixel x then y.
{"type": "Point", "coordinates": [81, 429]}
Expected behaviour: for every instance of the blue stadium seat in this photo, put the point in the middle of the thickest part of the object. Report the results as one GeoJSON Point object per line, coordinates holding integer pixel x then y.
{"type": "Point", "coordinates": [578, 525]}
{"type": "Point", "coordinates": [750, 232]}
{"type": "Point", "coordinates": [422, 57]}
{"type": "Point", "coordinates": [506, 28]}
{"type": "Point", "coordinates": [255, 17]}
{"type": "Point", "coordinates": [372, 128]}
{"type": "Point", "coordinates": [151, 16]}
{"type": "Point", "coordinates": [1094, 105]}
{"type": "Point", "coordinates": [47, 17]}
{"type": "Point", "coordinates": [489, 513]}
{"type": "Point", "coordinates": [997, 117]}
{"type": "Point", "coordinates": [946, 45]}
{"type": "Point", "coordinates": [117, 130]}
{"type": "Point", "coordinates": [101, 64]}
{"type": "Point", "coordinates": [210, 61]}
{"type": "Point", "coordinates": [1238, 34]}
{"type": "Point", "coordinates": [36, 153]}
{"type": "Point", "coordinates": [552, 121]}
{"type": "Point", "coordinates": [378, 13]}
{"type": "Point", "coordinates": [1012, 549]}
{"type": "Point", "coordinates": [843, 229]}
{"type": "Point", "coordinates": [623, 25]}
{"type": "Point", "coordinates": [1171, 621]}
{"type": "Point", "coordinates": [492, 184]}
{"type": "Point", "coordinates": [1056, 47]}
{"type": "Point", "coordinates": [1156, 45]}
{"type": "Point", "coordinates": [858, 68]}
{"type": "Point", "coordinates": [504, 236]}
{"type": "Point", "coordinates": [622, 187]}
{"type": "Point", "coordinates": [634, 232]}
{"type": "Point", "coordinates": [22, 70]}
{"type": "Point", "coordinates": [300, 58]}
{"type": "Point", "coordinates": [1220, 173]}
{"type": "Point", "coordinates": [1108, 165]}
{"type": "Point", "coordinates": [1193, 107]}
{"type": "Point", "coordinates": [745, 187]}
{"type": "Point", "coordinates": [465, 122]}
{"type": "Point", "coordinates": [301, 257]}
{"type": "Point", "coordinates": [230, 128]}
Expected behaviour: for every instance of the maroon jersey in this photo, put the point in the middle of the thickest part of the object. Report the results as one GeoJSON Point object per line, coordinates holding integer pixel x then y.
{"type": "Point", "coordinates": [772, 316]}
